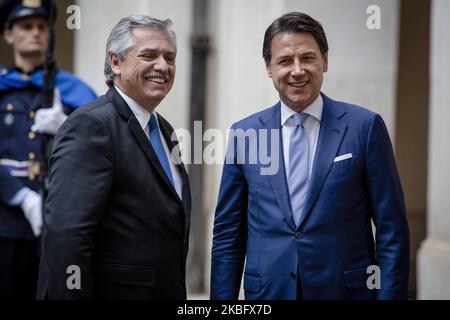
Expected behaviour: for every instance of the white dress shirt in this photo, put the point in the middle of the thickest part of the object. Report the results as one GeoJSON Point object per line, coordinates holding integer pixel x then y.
{"type": "Point", "coordinates": [311, 125]}
{"type": "Point", "coordinates": [143, 116]}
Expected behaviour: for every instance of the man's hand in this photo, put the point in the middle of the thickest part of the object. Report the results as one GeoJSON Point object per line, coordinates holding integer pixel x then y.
{"type": "Point", "coordinates": [32, 209]}
{"type": "Point", "coordinates": [48, 120]}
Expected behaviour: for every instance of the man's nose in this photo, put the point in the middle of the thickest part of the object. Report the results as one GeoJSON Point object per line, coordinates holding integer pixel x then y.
{"type": "Point", "coordinates": [161, 65]}
{"type": "Point", "coordinates": [297, 68]}
{"type": "Point", "coordinates": [36, 30]}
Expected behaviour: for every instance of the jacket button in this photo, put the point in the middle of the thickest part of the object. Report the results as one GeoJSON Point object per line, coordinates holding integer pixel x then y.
{"type": "Point", "coordinates": [31, 156]}
{"type": "Point", "coordinates": [293, 275]}
{"type": "Point", "coordinates": [9, 107]}
{"type": "Point", "coordinates": [298, 235]}
{"type": "Point", "coordinates": [31, 114]}
{"type": "Point", "coordinates": [31, 135]}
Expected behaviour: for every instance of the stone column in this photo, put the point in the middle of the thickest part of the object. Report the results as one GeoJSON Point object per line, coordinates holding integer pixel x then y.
{"type": "Point", "coordinates": [434, 254]}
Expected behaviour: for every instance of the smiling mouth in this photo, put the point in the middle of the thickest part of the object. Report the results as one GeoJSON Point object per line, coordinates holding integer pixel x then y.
{"type": "Point", "coordinates": [158, 80]}
{"type": "Point", "coordinates": [299, 84]}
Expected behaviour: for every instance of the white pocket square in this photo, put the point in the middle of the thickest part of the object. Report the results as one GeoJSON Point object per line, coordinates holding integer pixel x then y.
{"type": "Point", "coordinates": [343, 157]}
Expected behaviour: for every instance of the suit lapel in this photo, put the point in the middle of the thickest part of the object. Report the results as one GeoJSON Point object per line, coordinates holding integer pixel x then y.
{"type": "Point", "coordinates": [272, 120]}
{"type": "Point", "coordinates": [332, 131]}
{"type": "Point", "coordinates": [125, 111]}
{"type": "Point", "coordinates": [167, 132]}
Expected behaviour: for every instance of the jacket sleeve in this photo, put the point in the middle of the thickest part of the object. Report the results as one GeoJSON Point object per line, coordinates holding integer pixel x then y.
{"type": "Point", "coordinates": [230, 230]}
{"type": "Point", "coordinates": [81, 175]}
{"type": "Point", "coordinates": [389, 213]}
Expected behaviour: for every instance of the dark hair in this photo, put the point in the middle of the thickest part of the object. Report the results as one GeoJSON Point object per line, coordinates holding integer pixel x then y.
{"type": "Point", "coordinates": [294, 22]}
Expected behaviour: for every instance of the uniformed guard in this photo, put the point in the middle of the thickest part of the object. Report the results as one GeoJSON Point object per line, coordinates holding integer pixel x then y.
{"type": "Point", "coordinates": [24, 25]}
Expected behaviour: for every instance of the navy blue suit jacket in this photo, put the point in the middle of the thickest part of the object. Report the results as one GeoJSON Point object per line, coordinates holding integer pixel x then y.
{"type": "Point", "coordinates": [333, 245]}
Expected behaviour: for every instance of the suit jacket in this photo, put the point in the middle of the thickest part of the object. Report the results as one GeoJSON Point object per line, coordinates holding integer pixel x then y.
{"type": "Point", "coordinates": [112, 211]}
{"type": "Point", "coordinates": [333, 245]}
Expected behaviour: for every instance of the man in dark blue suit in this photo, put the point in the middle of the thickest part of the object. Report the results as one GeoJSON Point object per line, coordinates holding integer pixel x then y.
{"type": "Point", "coordinates": [304, 230]}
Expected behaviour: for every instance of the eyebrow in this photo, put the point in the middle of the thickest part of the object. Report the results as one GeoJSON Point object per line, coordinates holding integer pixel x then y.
{"type": "Point", "coordinates": [288, 56]}
{"type": "Point", "coordinates": [283, 57]}
{"type": "Point", "coordinates": [153, 50]}
{"type": "Point", "coordinates": [309, 53]}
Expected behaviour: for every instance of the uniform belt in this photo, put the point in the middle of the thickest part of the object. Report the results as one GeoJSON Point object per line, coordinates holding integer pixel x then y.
{"type": "Point", "coordinates": [21, 168]}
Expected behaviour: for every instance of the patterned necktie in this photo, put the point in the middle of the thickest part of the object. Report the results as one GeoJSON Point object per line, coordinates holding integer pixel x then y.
{"type": "Point", "coordinates": [158, 147]}
{"type": "Point", "coordinates": [298, 166]}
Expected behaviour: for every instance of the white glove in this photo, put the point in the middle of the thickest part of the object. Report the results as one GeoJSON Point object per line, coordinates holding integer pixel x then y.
{"type": "Point", "coordinates": [32, 209]}
{"type": "Point", "coordinates": [48, 120]}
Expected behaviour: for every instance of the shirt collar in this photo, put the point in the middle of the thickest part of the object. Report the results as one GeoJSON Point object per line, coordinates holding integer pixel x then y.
{"type": "Point", "coordinates": [314, 109]}
{"type": "Point", "coordinates": [14, 67]}
{"type": "Point", "coordinates": [141, 114]}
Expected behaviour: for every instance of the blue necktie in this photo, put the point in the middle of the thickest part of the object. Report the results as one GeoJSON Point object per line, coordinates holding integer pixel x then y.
{"type": "Point", "coordinates": [298, 166]}
{"type": "Point", "coordinates": [158, 147]}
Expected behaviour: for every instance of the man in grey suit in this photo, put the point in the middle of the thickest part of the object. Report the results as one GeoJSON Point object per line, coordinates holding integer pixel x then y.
{"type": "Point", "coordinates": [118, 209]}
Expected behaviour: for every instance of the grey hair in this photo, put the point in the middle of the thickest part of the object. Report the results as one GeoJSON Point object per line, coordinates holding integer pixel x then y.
{"type": "Point", "coordinates": [120, 40]}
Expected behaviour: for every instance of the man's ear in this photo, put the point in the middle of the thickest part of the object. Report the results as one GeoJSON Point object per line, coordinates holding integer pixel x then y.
{"type": "Point", "coordinates": [269, 70]}
{"type": "Point", "coordinates": [325, 62]}
{"type": "Point", "coordinates": [7, 35]}
{"type": "Point", "coordinates": [114, 62]}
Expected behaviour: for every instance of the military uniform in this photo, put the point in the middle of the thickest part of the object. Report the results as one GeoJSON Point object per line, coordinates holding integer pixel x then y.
{"type": "Point", "coordinates": [20, 148]}
{"type": "Point", "coordinates": [20, 155]}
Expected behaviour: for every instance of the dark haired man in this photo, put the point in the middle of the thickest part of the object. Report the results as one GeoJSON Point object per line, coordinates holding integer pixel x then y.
{"type": "Point", "coordinates": [305, 231]}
